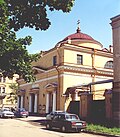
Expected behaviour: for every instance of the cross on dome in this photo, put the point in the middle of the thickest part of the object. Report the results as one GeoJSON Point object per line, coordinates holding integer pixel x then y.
{"type": "Point", "coordinates": [78, 28]}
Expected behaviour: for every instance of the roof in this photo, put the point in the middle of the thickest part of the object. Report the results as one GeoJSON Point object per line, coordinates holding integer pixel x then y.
{"type": "Point", "coordinates": [78, 35]}
{"type": "Point", "coordinates": [72, 89]}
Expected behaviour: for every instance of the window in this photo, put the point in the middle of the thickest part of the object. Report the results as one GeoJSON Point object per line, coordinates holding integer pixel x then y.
{"type": "Point", "coordinates": [72, 117]}
{"type": "Point", "coordinates": [3, 90]}
{"type": "Point", "coordinates": [79, 59]}
{"type": "Point", "coordinates": [109, 65]}
{"type": "Point", "coordinates": [54, 60]}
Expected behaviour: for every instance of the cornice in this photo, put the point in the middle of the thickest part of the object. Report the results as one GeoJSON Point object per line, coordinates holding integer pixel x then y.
{"type": "Point", "coordinates": [77, 70]}
{"type": "Point", "coordinates": [90, 51]}
{"type": "Point", "coordinates": [91, 71]}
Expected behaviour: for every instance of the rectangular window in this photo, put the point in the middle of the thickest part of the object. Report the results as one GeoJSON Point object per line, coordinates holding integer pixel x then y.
{"type": "Point", "coordinates": [3, 90]}
{"type": "Point", "coordinates": [79, 59]}
{"type": "Point", "coordinates": [54, 60]}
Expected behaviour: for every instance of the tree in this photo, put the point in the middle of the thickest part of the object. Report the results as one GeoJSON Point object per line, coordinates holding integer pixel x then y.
{"type": "Point", "coordinates": [14, 58]}
{"type": "Point", "coordinates": [13, 95]}
{"type": "Point", "coordinates": [33, 13]}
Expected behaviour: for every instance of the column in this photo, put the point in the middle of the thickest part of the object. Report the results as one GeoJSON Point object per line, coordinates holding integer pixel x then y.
{"type": "Point", "coordinates": [30, 103]}
{"type": "Point", "coordinates": [35, 104]}
{"type": "Point", "coordinates": [21, 103]}
{"type": "Point", "coordinates": [1, 89]}
{"type": "Point", "coordinates": [54, 101]}
{"type": "Point", "coordinates": [18, 101]}
{"type": "Point", "coordinates": [47, 103]}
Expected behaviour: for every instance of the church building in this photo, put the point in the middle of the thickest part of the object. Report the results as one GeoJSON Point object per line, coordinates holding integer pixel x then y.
{"type": "Point", "coordinates": [75, 61]}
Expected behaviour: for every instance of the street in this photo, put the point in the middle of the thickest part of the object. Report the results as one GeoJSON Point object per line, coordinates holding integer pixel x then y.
{"type": "Point", "coordinates": [26, 127]}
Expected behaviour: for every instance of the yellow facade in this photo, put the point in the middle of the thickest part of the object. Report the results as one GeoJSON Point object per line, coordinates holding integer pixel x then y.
{"type": "Point", "coordinates": [72, 62]}
{"type": "Point", "coordinates": [5, 91]}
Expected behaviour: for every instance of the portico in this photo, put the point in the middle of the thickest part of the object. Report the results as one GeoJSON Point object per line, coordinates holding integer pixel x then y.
{"type": "Point", "coordinates": [21, 98]}
{"type": "Point", "coordinates": [51, 95]}
{"type": "Point", "coordinates": [33, 100]}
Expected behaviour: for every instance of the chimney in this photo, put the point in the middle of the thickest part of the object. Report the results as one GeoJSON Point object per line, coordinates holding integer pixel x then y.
{"type": "Point", "coordinates": [111, 48]}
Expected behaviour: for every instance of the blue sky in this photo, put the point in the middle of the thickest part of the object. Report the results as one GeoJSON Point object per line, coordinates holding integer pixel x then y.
{"type": "Point", "coordinates": [94, 16]}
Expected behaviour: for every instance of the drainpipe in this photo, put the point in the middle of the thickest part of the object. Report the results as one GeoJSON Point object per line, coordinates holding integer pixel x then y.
{"type": "Point", "coordinates": [93, 68]}
{"type": "Point", "coordinates": [93, 58]}
{"type": "Point", "coordinates": [58, 89]}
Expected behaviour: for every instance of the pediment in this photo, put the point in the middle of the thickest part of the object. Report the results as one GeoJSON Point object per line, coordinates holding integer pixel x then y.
{"type": "Point", "coordinates": [51, 86]}
{"type": "Point", "coordinates": [37, 70]}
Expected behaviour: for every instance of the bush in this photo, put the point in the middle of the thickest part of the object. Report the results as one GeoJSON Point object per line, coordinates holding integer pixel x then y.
{"type": "Point", "coordinates": [103, 129]}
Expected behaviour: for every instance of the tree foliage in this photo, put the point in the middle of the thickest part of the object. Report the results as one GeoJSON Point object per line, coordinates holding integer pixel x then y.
{"type": "Point", "coordinates": [17, 14]}
{"type": "Point", "coordinates": [33, 13]}
{"type": "Point", "coordinates": [13, 95]}
{"type": "Point", "coordinates": [14, 57]}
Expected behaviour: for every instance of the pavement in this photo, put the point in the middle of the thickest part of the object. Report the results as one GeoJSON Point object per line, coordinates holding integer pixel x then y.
{"type": "Point", "coordinates": [30, 118]}
{"type": "Point", "coordinates": [34, 120]}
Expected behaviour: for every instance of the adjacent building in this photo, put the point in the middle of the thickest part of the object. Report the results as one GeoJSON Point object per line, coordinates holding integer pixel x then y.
{"type": "Point", "coordinates": [5, 90]}
{"type": "Point", "coordinates": [115, 23]}
{"type": "Point", "coordinates": [73, 62]}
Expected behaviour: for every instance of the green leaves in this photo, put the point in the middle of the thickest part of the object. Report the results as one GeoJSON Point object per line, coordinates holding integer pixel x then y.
{"type": "Point", "coordinates": [13, 95]}
{"type": "Point", "coordinates": [14, 58]}
{"type": "Point", "coordinates": [33, 13]}
{"type": "Point", "coordinates": [15, 15]}
{"type": "Point", "coordinates": [1, 2]}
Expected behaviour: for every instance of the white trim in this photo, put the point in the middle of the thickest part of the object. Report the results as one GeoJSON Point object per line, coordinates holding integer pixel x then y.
{"type": "Point", "coordinates": [38, 81]}
{"type": "Point", "coordinates": [62, 75]}
{"type": "Point", "coordinates": [45, 71]}
{"type": "Point", "coordinates": [41, 80]}
{"type": "Point", "coordinates": [54, 77]}
{"type": "Point", "coordinates": [78, 74]}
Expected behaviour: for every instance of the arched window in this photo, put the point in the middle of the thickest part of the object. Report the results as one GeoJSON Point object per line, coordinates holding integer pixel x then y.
{"type": "Point", "coordinates": [109, 65]}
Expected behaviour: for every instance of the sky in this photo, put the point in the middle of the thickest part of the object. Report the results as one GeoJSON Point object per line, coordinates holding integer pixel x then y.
{"type": "Point", "coordinates": [94, 16]}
